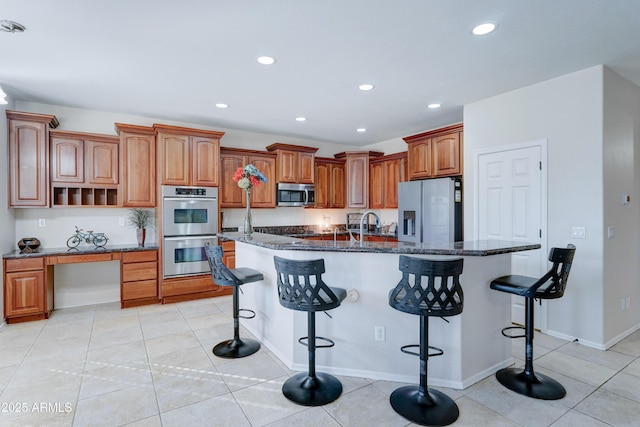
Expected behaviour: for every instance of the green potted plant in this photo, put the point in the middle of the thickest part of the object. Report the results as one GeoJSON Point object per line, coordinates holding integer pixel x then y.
{"type": "Point", "coordinates": [141, 219]}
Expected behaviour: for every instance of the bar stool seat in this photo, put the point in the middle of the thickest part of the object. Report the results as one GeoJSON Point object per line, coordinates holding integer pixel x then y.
{"type": "Point", "coordinates": [427, 288]}
{"type": "Point", "coordinates": [223, 276]}
{"type": "Point", "coordinates": [300, 287]}
{"type": "Point", "coordinates": [550, 286]}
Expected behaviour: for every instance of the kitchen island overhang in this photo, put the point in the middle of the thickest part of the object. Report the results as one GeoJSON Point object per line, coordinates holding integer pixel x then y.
{"type": "Point", "coordinates": [473, 345]}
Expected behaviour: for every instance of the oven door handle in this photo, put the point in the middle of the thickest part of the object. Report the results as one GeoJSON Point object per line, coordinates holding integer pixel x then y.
{"type": "Point", "coordinates": [192, 237]}
{"type": "Point", "coordinates": [188, 199]}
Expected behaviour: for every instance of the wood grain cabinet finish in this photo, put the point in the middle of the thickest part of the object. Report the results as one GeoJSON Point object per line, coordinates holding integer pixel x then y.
{"type": "Point", "coordinates": [232, 196]}
{"type": "Point", "coordinates": [137, 165]}
{"type": "Point", "coordinates": [188, 157]}
{"type": "Point", "coordinates": [435, 153]}
{"type": "Point", "coordinates": [26, 294]}
{"type": "Point", "coordinates": [139, 278]}
{"type": "Point", "coordinates": [329, 183]}
{"type": "Point", "coordinates": [294, 163]}
{"type": "Point", "coordinates": [84, 169]}
{"type": "Point", "coordinates": [29, 158]}
{"type": "Point", "coordinates": [385, 174]}
{"type": "Point", "coordinates": [229, 253]}
{"type": "Point", "coordinates": [357, 176]}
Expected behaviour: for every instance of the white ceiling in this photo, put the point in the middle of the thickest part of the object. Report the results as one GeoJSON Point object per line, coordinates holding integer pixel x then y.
{"type": "Point", "coordinates": [174, 60]}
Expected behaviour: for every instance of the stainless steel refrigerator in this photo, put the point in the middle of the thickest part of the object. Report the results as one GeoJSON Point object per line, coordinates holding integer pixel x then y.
{"type": "Point", "coordinates": [430, 210]}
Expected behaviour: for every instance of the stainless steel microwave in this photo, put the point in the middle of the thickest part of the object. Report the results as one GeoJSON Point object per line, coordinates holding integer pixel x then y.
{"type": "Point", "coordinates": [295, 194]}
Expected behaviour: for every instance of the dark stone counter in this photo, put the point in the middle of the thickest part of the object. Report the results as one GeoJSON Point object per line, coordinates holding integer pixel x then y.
{"type": "Point", "coordinates": [465, 248]}
{"type": "Point", "coordinates": [80, 250]}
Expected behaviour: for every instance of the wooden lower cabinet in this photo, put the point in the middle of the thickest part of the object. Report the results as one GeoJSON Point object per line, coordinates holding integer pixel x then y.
{"type": "Point", "coordinates": [28, 291]}
{"type": "Point", "coordinates": [229, 253]}
{"type": "Point", "coordinates": [139, 278]}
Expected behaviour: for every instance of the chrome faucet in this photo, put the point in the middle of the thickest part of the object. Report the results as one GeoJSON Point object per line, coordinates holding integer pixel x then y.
{"type": "Point", "coordinates": [365, 215]}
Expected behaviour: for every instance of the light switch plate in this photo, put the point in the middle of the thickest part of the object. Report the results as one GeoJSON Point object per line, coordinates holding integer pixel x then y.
{"type": "Point", "coordinates": [578, 232]}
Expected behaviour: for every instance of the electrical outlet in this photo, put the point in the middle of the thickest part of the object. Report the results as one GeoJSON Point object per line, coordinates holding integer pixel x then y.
{"type": "Point", "coordinates": [578, 232]}
{"type": "Point", "coordinates": [379, 333]}
{"type": "Point", "coordinates": [121, 222]}
{"type": "Point", "coordinates": [42, 222]}
{"type": "Point", "coordinates": [623, 304]}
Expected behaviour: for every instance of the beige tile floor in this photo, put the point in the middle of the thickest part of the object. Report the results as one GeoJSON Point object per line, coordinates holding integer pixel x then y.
{"type": "Point", "coordinates": [153, 366]}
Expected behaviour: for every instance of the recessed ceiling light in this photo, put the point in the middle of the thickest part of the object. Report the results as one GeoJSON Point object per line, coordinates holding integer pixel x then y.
{"type": "Point", "coordinates": [361, 130]}
{"type": "Point", "coordinates": [366, 86]}
{"type": "Point", "coordinates": [485, 28]}
{"type": "Point", "coordinates": [432, 106]}
{"type": "Point", "coordinates": [11, 27]}
{"type": "Point", "coordinates": [221, 105]}
{"type": "Point", "coordinates": [301, 119]}
{"type": "Point", "coordinates": [266, 60]}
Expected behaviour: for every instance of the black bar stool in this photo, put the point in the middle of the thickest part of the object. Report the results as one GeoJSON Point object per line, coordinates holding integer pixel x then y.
{"type": "Point", "coordinates": [222, 276]}
{"type": "Point", "coordinates": [439, 295]}
{"type": "Point", "coordinates": [300, 287]}
{"type": "Point", "coordinates": [549, 286]}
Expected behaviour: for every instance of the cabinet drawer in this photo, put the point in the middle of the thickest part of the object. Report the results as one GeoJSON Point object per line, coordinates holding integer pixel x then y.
{"type": "Point", "coordinates": [72, 259]}
{"type": "Point", "coordinates": [228, 245]}
{"type": "Point", "coordinates": [138, 290]}
{"type": "Point", "coordinates": [139, 256]}
{"type": "Point", "coordinates": [25, 264]}
{"type": "Point", "coordinates": [139, 271]}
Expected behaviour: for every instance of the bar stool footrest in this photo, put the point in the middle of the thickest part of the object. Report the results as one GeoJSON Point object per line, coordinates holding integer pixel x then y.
{"type": "Point", "coordinates": [437, 351]}
{"type": "Point", "coordinates": [505, 334]}
{"type": "Point", "coordinates": [244, 316]}
{"type": "Point", "coordinates": [305, 342]}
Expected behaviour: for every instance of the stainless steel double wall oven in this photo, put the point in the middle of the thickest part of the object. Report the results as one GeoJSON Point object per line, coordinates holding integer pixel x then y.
{"type": "Point", "coordinates": [189, 220]}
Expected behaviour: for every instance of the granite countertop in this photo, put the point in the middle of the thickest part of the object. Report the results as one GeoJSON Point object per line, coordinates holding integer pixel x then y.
{"type": "Point", "coordinates": [80, 250]}
{"type": "Point", "coordinates": [465, 248]}
{"type": "Point", "coordinates": [311, 231]}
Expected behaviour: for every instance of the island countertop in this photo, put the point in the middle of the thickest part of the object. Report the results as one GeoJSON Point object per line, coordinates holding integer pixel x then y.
{"type": "Point", "coordinates": [463, 248]}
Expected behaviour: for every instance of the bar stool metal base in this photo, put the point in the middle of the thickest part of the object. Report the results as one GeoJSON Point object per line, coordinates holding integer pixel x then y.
{"type": "Point", "coordinates": [236, 348]}
{"type": "Point", "coordinates": [312, 391]}
{"type": "Point", "coordinates": [431, 409]}
{"type": "Point", "coordinates": [538, 386]}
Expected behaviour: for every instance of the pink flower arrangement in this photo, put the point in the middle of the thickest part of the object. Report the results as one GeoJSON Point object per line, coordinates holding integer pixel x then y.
{"type": "Point", "coordinates": [248, 177]}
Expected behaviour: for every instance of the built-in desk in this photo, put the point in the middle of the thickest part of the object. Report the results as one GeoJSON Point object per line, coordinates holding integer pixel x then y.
{"type": "Point", "coordinates": [28, 277]}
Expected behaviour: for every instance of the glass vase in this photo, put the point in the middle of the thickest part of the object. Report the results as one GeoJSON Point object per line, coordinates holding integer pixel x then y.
{"type": "Point", "coordinates": [248, 228]}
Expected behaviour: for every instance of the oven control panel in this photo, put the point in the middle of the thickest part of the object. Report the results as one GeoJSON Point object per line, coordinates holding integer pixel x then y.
{"type": "Point", "coordinates": [196, 192]}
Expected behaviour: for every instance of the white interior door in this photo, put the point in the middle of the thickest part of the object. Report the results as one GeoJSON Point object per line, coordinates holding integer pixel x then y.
{"type": "Point", "coordinates": [510, 208]}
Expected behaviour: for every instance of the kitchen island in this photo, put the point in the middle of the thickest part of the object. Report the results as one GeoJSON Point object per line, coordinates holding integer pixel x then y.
{"type": "Point", "coordinates": [473, 345]}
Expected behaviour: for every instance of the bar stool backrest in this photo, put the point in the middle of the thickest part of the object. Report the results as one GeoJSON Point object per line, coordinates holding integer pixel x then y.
{"type": "Point", "coordinates": [220, 274]}
{"type": "Point", "coordinates": [428, 287]}
{"type": "Point", "coordinates": [557, 276]}
{"type": "Point", "coordinates": [300, 285]}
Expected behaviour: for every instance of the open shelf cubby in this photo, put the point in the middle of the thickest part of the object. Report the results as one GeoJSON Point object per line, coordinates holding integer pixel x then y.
{"type": "Point", "coordinates": [84, 196]}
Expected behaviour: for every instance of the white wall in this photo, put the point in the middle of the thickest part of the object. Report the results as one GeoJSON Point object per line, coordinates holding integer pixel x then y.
{"type": "Point", "coordinates": [621, 254]}
{"type": "Point", "coordinates": [567, 111]}
{"type": "Point", "coordinates": [7, 235]}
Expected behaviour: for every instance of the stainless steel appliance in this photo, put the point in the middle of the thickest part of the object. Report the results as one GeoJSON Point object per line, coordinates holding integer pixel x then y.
{"type": "Point", "coordinates": [189, 220]}
{"type": "Point", "coordinates": [185, 256]}
{"type": "Point", "coordinates": [295, 194]}
{"type": "Point", "coordinates": [430, 210]}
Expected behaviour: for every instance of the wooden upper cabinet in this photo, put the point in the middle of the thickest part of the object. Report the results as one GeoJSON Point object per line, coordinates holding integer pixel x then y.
{"type": "Point", "coordinates": [385, 174]}
{"type": "Point", "coordinates": [29, 158]}
{"type": "Point", "coordinates": [337, 196]}
{"type": "Point", "coordinates": [174, 151]}
{"type": "Point", "coordinates": [232, 196]}
{"type": "Point", "coordinates": [101, 163]}
{"type": "Point", "coordinates": [357, 176]}
{"type": "Point", "coordinates": [446, 154]}
{"type": "Point", "coordinates": [67, 160]}
{"type": "Point", "coordinates": [264, 195]}
{"type": "Point", "coordinates": [435, 153]}
{"type": "Point", "coordinates": [329, 183]}
{"type": "Point", "coordinates": [294, 163]}
{"type": "Point", "coordinates": [189, 157]}
{"type": "Point", "coordinates": [137, 165]}
{"type": "Point", "coordinates": [84, 158]}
